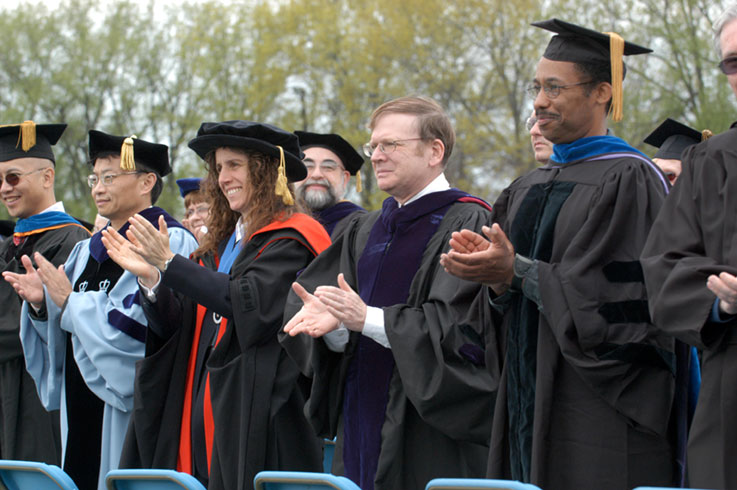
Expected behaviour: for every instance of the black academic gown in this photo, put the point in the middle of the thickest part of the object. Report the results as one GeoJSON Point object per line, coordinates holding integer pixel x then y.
{"type": "Point", "coordinates": [587, 388]}
{"type": "Point", "coordinates": [28, 431]}
{"type": "Point", "coordinates": [257, 391]}
{"type": "Point", "coordinates": [336, 217]}
{"type": "Point", "coordinates": [693, 238]}
{"type": "Point", "coordinates": [441, 392]}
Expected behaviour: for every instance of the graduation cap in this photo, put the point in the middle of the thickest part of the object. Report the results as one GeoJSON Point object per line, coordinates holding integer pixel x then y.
{"type": "Point", "coordinates": [29, 139]}
{"type": "Point", "coordinates": [265, 138]}
{"type": "Point", "coordinates": [131, 149]}
{"type": "Point", "coordinates": [352, 160]}
{"type": "Point", "coordinates": [584, 46]}
{"type": "Point", "coordinates": [188, 185]}
{"type": "Point", "coordinates": [672, 137]}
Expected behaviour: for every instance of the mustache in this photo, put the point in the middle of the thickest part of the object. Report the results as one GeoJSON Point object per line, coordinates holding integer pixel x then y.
{"type": "Point", "coordinates": [323, 182]}
{"type": "Point", "coordinates": [548, 115]}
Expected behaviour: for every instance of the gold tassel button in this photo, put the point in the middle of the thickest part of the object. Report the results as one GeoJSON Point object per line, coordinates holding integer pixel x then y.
{"type": "Point", "coordinates": [282, 188]}
{"type": "Point", "coordinates": [616, 50]}
{"type": "Point", "coordinates": [706, 134]}
{"type": "Point", "coordinates": [127, 158]}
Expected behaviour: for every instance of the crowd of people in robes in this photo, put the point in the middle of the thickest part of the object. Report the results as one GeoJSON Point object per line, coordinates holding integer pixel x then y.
{"type": "Point", "coordinates": [557, 337]}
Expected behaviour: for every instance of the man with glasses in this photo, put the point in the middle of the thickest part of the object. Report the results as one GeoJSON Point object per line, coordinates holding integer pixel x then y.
{"type": "Point", "coordinates": [690, 267]}
{"type": "Point", "coordinates": [399, 369]}
{"type": "Point", "coordinates": [82, 326]}
{"type": "Point", "coordinates": [587, 390]}
{"type": "Point", "coordinates": [27, 170]}
{"type": "Point", "coordinates": [330, 162]}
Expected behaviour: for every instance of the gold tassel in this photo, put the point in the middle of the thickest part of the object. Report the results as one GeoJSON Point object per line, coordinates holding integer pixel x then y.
{"type": "Point", "coordinates": [358, 182]}
{"type": "Point", "coordinates": [127, 159]}
{"type": "Point", "coordinates": [706, 134]}
{"type": "Point", "coordinates": [282, 188]}
{"type": "Point", "coordinates": [27, 135]}
{"type": "Point", "coordinates": [616, 50]}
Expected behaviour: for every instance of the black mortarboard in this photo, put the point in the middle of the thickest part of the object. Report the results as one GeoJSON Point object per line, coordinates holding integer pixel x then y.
{"type": "Point", "coordinates": [29, 139]}
{"type": "Point", "coordinates": [252, 135]}
{"type": "Point", "coordinates": [671, 138]}
{"type": "Point", "coordinates": [581, 45]}
{"type": "Point", "coordinates": [188, 185]}
{"type": "Point", "coordinates": [352, 160]}
{"type": "Point", "coordinates": [131, 149]}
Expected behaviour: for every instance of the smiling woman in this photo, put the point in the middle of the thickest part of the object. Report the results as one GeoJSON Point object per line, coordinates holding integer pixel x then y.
{"type": "Point", "coordinates": [214, 360]}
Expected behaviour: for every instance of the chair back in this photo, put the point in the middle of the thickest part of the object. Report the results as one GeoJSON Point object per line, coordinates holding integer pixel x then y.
{"type": "Point", "coordinates": [298, 480]}
{"type": "Point", "coordinates": [31, 475]}
{"type": "Point", "coordinates": [470, 483]}
{"type": "Point", "coordinates": [151, 480]}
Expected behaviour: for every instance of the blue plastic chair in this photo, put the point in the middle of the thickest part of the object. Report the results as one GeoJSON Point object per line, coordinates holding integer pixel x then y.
{"type": "Point", "coordinates": [151, 480]}
{"type": "Point", "coordinates": [298, 480]}
{"type": "Point", "coordinates": [468, 483]}
{"type": "Point", "coordinates": [30, 475]}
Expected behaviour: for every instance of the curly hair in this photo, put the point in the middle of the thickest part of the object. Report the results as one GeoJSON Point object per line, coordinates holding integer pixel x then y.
{"type": "Point", "coordinates": [265, 206]}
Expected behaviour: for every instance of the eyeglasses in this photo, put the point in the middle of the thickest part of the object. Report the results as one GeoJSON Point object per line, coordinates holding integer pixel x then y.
{"type": "Point", "coordinates": [203, 210]}
{"type": "Point", "coordinates": [326, 167]}
{"type": "Point", "coordinates": [107, 179]}
{"type": "Point", "coordinates": [530, 122]}
{"type": "Point", "coordinates": [551, 91]}
{"type": "Point", "coordinates": [13, 178]}
{"type": "Point", "coordinates": [385, 147]}
{"type": "Point", "coordinates": [729, 65]}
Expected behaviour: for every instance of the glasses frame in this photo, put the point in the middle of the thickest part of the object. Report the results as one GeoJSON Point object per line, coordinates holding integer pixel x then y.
{"type": "Point", "coordinates": [386, 147]}
{"type": "Point", "coordinates": [16, 176]}
{"type": "Point", "coordinates": [728, 65]}
{"type": "Point", "coordinates": [530, 122]}
{"type": "Point", "coordinates": [552, 91]}
{"type": "Point", "coordinates": [93, 180]}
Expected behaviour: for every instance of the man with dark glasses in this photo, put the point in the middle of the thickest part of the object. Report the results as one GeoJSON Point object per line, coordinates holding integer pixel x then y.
{"type": "Point", "coordinates": [690, 266]}
{"type": "Point", "coordinates": [83, 332]}
{"type": "Point", "coordinates": [27, 168]}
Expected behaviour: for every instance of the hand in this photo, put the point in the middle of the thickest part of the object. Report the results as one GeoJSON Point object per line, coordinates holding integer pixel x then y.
{"type": "Point", "coordinates": [121, 251]}
{"type": "Point", "coordinates": [313, 318]}
{"type": "Point", "coordinates": [344, 304]}
{"type": "Point", "coordinates": [474, 258]}
{"type": "Point", "coordinates": [725, 287]}
{"type": "Point", "coordinates": [56, 281]}
{"type": "Point", "coordinates": [148, 242]}
{"type": "Point", "coordinates": [29, 285]}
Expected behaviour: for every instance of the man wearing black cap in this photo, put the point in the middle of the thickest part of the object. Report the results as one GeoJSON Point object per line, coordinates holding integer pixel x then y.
{"type": "Point", "coordinates": [671, 138]}
{"type": "Point", "coordinates": [27, 430]}
{"type": "Point", "coordinates": [587, 388]}
{"type": "Point", "coordinates": [83, 334]}
{"type": "Point", "coordinates": [399, 372]}
{"type": "Point", "coordinates": [330, 162]}
{"type": "Point", "coordinates": [690, 267]}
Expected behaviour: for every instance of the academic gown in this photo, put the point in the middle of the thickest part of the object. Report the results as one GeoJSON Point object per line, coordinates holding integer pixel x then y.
{"type": "Point", "coordinates": [336, 217]}
{"type": "Point", "coordinates": [435, 410]}
{"type": "Point", "coordinates": [82, 357]}
{"type": "Point", "coordinates": [256, 391]}
{"type": "Point", "coordinates": [693, 238]}
{"type": "Point", "coordinates": [588, 383]}
{"type": "Point", "coordinates": [27, 430]}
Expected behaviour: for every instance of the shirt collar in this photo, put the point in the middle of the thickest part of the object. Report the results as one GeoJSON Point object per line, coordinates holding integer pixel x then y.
{"type": "Point", "coordinates": [57, 206]}
{"type": "Point", "coordinates": [439, 183]}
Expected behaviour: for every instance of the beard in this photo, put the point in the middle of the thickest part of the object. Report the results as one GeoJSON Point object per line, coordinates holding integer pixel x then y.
{"type": "Point", "coordinates": [317, 199]}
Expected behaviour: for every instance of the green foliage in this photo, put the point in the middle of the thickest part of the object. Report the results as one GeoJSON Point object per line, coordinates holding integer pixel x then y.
{"type": "Point", "coordinates": [159, 70]}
